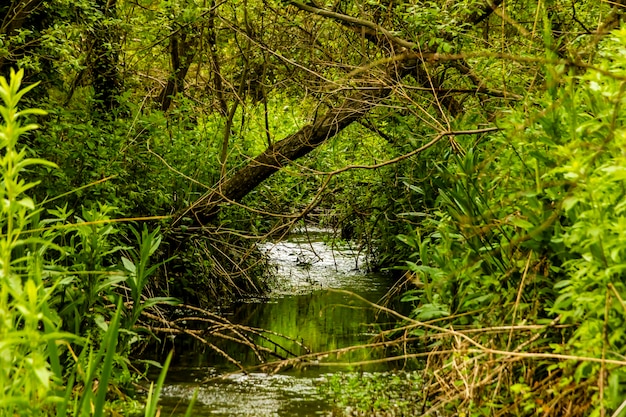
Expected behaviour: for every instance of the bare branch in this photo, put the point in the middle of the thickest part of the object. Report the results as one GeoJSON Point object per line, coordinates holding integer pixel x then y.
{"type": "Point", "coordinates": [353, 21]}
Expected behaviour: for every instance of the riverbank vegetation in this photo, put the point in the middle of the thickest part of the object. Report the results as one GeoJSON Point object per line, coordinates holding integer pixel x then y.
{"type": "Point", "coordinates": [66, 330]}
{"type": "Point", "coordinates": [473, 148]}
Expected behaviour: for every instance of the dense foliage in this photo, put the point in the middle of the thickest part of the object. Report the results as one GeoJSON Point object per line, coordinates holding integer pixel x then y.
{"type": "Point", "coordinates": [66, 329]}
{"type": "Point", "coordinates": [474, 147]}
{"type": "Point", "coordinates": [524, 242]}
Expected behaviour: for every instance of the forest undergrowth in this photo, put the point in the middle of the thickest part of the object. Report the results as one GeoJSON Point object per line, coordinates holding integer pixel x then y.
{"type": "Point", "coordinates": [517, 273]}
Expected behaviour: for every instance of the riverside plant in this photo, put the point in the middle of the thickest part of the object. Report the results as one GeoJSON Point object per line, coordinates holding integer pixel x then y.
{"type": "Point", "coordinates": [524, 253]}
{"type": "Point", "coordinates": [29, 368]}
{"type": "Point", "coordinates": [45, 369]}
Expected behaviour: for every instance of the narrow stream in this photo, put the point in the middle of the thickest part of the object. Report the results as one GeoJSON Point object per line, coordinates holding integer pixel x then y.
{"type": "Point", "coordinates": [304, 307]}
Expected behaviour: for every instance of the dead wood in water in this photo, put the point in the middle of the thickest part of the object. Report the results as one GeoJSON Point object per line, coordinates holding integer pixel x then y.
{"type": "Point", "coordinates": [207, 327]}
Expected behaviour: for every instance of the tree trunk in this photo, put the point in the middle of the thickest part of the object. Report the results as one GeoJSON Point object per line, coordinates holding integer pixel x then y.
{"type": "Point", "coordinates": [352, 109]}
{"type": "Point", "coordinates": [182, 52]}
{"type": "Point", "coordinates": [106, 79]}
{"type": "Point", "coordinates": [283, 152]}
{"type": "Point", "coordinates": [15, 16]}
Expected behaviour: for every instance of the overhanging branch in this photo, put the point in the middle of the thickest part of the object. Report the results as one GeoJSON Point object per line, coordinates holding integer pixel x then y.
{"type": "Point", "coordinates": [283, 152]}
{"type": "Point", "coordinates": [351, 21]}
{"type": "Point", "coordinates": [353, 108]}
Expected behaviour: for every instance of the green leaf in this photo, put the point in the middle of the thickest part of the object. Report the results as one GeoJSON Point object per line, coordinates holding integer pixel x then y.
{"type": "Point", "coordinates": [129, 265]}
{"type": "Point", "coordinates": [109, 282]}
{"type": "Point", "coordinates": [27, 202]}
{"type": "Point", "coordinates": [521, 223]}
{"type": "Point", "coordinates": [569, 202]}
{"type": "Point", "coordinates": [109, 346]}
{"type": "Point", "coordinates": [431, 311]}
{"type": "Point", "coordinates": [153, 394]}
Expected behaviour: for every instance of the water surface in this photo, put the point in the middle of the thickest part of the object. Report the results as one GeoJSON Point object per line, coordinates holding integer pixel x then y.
{"type": "Point", "coordinates": [306, 308]}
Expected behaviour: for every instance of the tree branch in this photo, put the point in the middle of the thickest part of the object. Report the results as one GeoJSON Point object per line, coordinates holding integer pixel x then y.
{"type": "Point", "coordinates": [485, 11]}
{"type": "Point", "coordinates": [283, 152]}
{"type": "Point", "coordinates": [353, 21]}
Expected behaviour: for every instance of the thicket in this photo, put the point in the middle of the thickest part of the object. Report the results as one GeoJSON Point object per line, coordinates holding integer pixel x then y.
{"type": "Point", "coordinates": [70, 298]}
{"type": "Point", "coordinates": [517, 272]}
{"type": "Point", "coordinates": [516, 277]}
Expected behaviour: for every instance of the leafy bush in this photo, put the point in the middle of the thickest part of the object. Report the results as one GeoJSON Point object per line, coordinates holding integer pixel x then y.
{"type": "Point", "coordinates": [65, 332]}
{"type": "Point", "coordinates": [530, 232]}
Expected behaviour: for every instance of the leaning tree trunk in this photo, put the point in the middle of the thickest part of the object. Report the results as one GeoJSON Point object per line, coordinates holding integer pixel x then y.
{"type": "Point", "coordinates": [283, 152]}
{"type": "Point", "coordinates": [352, 109]}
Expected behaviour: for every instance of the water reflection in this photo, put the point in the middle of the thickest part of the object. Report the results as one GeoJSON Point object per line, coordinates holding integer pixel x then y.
{"type": "Point", "coordinates": [322, 321]}
{"type": "Point", "coordinates": [307, 310]}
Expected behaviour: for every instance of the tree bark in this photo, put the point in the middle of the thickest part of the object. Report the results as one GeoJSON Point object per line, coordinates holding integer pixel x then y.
{"type": "Point", "coordinates": [484, 11]}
